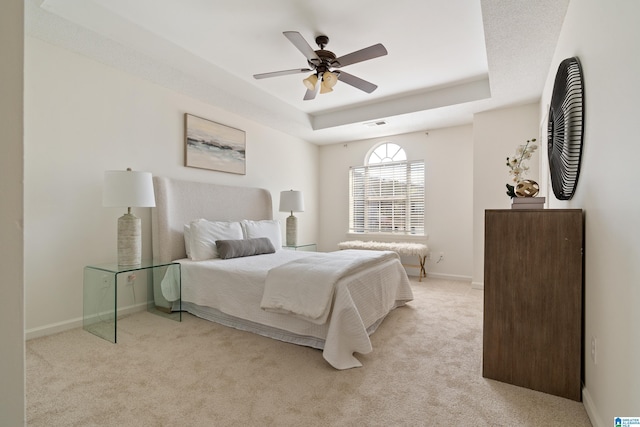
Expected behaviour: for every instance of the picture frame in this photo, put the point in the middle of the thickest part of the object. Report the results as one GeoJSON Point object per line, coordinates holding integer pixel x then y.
{"type": "Point", "coordinates": [213, 146]}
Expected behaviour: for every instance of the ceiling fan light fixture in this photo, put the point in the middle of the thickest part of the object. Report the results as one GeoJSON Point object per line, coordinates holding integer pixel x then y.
{"type": "Point", "coordinates": [329, 79]}
{"type": "Point", "coordinates": [325, 89]}
{"type": "Point", "coordinates": [310, 82]}
{"type": "Point", "coordinates": [321, 61]}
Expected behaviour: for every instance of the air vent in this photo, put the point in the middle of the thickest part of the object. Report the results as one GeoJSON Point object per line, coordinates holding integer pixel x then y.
{"type": "Point", "coordinates": [376, 123]}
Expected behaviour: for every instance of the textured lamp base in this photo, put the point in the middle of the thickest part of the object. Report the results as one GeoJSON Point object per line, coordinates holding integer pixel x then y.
{"type": "Point", "coordinates": [129, 240]}
{"type": "Point", "coordinates": [292, 230]}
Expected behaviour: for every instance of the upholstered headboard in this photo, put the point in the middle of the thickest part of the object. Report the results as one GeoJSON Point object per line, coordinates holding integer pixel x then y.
{"type": "Point", "coordinates": [180, 202]}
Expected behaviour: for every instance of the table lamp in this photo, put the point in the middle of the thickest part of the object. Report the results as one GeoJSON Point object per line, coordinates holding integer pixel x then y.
{"type": "Point", "coordinates": [291, 201]}
{"type": "Point", "coordinates": [128, 189]}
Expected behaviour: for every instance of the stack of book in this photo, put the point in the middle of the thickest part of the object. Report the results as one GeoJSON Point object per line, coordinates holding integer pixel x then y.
{"type": "Point", "coordinates": [527, 203]}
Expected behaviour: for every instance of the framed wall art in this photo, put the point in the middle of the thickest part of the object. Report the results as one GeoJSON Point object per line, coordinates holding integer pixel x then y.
{"type": "Point", "coordinates": [213, 146]}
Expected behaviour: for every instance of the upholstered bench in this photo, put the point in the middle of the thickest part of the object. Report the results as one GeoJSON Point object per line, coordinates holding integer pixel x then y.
{"type": "Point", "coordinates": [419, 249]}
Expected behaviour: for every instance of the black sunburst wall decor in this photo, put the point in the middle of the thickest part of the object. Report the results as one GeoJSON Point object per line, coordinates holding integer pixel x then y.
{"type": "Point", "coordinates": [566, 128]}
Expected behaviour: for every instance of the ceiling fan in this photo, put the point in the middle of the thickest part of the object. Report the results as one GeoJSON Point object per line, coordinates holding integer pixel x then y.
{"type": "Point", "coordinates": [323, 63]}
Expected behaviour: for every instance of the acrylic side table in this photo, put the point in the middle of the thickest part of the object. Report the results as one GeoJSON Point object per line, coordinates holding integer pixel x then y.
{"type": "Point", "coordinates": [101, 300]}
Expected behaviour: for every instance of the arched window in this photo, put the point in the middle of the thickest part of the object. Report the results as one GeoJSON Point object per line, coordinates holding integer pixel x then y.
{"type": "Point", "coordinates": [386, 195]}
{"type": "Point", "coordinates": [386, 152]}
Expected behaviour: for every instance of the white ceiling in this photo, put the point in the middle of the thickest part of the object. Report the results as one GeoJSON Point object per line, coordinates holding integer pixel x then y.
{"type": "Point", "coordinates": [447, 60]}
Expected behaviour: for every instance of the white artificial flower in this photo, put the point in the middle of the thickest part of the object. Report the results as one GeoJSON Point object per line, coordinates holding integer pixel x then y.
{"type": "Point", "coordinates": [515, 164]}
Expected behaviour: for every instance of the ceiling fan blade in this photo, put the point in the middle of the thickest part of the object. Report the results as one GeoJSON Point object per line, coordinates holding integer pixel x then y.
{"type": "Point", "coordinates": [362, 55]}
{"type": "Point", "coordinates": [302, 45]}
{"type": "Point", "coordinates": [311, 94]}
{"type": "Point", "coordinates": [357, 82]}
{"type": "Point", "coordinates": [281, 73]}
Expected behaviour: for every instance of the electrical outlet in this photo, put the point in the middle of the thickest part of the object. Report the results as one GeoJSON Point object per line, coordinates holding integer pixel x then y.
{"type": "Point", "coordinates": [440, 257]}
{"type": "Point", "coordinates": [131, 279]}
{"type": "Point", "coordinates": [593, 350]}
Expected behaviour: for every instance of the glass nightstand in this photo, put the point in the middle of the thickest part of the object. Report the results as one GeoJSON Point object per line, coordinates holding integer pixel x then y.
{"type": "Point", "coordinates": [101, 299]}
{"type": "Point", "coordinates": [311, 247]}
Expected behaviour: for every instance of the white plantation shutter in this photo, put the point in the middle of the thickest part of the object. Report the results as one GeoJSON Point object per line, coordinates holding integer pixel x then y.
{"type": "Point", "coordinates": [387, 198]}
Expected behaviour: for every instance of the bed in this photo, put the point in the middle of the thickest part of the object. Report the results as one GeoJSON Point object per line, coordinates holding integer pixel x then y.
{"type": "Point", "coordinates": [253, 293]}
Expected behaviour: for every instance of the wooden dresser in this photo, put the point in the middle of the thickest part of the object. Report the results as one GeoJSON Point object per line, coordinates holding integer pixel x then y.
{"type": "Point", "coordinates": [533, 299]}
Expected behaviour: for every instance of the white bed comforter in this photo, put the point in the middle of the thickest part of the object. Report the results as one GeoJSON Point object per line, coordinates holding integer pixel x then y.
{"type": "Point", "coordinates": [361, 298]}
{"type": "Point", "coordinates": [305, 287]}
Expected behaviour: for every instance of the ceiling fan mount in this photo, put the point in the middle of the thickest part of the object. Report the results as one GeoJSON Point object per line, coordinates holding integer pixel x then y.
{"type": "Point", "coordinates": [327, 58]}
{"type": "Point", "coordinates": [322, 62]}
{"type": "Point", "coordinates": [322, 41]}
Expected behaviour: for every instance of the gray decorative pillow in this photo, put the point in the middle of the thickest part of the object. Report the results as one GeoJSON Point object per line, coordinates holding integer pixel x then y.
{"type": "Point", "coordinates": [245, 247]}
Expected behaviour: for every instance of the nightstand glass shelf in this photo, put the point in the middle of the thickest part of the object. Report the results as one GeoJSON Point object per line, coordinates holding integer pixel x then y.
{"type": "Point", "coordinates": [311, 247]}
{"type": "Point", "coordinates": [101, 298]}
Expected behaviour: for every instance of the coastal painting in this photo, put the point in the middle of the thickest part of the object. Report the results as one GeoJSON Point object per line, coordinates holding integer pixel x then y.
{"type": "Point", "coordinates": [213, 146]}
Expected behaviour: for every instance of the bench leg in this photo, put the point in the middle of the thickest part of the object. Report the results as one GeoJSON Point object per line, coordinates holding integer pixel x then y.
{"type": "Point", "coordinates": [423, 272]}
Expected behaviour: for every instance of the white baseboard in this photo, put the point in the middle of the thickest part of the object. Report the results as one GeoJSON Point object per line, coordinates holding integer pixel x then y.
{"type": "Point", "coordinates": [477, 285]}
{"type": "Point", "coordinates": [591, 409]}
{"type": "Point", "coordinates": [449, 277]}
{"type": "Point", "coordinates": [51, 329]}
{"type": "Point", "coordinates": [54, 328]}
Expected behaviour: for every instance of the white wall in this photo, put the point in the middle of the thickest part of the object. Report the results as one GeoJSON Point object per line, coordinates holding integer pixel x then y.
{"type": "Point", "coordinates": [448, 194]}
{"type": "Point", "coordinates": [496, 136]}
{"type": "Point", "coordinates": [82, 118]}
{"type": "Point", "coordinates": [12, 401]}
{"type": "Point", "coordinates": [604, 35]}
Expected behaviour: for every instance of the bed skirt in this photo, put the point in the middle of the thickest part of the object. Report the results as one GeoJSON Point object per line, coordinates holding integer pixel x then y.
{"type": "Point", "coordinates": [214, 315]}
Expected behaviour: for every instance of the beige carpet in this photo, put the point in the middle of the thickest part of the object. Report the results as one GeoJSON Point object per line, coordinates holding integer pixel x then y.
{"type": "Point", "coordinates": [425, 370]}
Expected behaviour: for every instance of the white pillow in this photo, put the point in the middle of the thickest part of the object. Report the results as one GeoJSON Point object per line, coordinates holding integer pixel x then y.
{"type": "Point", "coordinates": [266, 228]}
{"type": "Point", "coordinates": [205, 233]}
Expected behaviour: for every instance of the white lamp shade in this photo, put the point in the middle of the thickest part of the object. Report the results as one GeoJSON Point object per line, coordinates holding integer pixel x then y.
{"type": "Point", "coordinates": [128, 189]}
{"type": "Point", "coordinates": [291, 201]}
